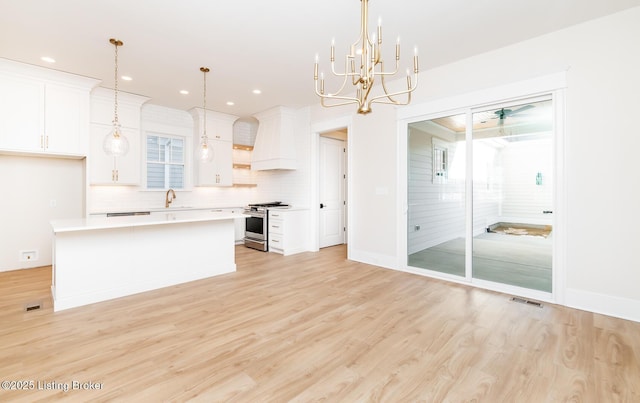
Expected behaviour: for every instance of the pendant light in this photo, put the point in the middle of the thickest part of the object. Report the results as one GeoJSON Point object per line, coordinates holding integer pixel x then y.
{"type": "Point", "coordinates": [115, 143]}
{"type": "Point", "coordinates": [205, 149]}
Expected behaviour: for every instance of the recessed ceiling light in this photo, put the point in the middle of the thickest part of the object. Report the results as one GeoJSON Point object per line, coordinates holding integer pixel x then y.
{"type": "Point", "coordinates": [126, 78]}
{"type": "Point", "coordinates": [230, 103]}
{"type": "Point", "coordinates": [184, 92]}
{"type": "Point", "coordinates": [257, 91]}
{"type": "Point", "coordinates": [48, 59]}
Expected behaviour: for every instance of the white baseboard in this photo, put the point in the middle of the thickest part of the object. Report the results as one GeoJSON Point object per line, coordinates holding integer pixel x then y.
{"type": "Point", "coordinates": [618, 307]}
{"type": "Point", "coordinates": [386, 261]}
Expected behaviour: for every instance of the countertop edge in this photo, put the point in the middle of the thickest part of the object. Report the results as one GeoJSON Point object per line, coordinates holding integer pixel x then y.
{"type": "Point", "coordinates": [176, 217]}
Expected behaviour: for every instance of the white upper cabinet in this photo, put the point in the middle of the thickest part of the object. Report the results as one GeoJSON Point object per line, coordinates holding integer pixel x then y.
{"type": "Point", "coordinates": [218, 172]}
{"type": "Point", "coordinates": [109, 170]}
{"type": "Point", "coordinates": [43, 111]}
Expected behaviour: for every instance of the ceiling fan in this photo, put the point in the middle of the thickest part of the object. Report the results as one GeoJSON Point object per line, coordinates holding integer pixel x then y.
{"type": "Point", "coordinates": [504, 113]}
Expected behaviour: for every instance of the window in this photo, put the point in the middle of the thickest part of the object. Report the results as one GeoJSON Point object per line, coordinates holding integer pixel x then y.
{"type": "Point", "coordinates": [165, 162]}
{"type": "Point", "coordinates": [440, 161]}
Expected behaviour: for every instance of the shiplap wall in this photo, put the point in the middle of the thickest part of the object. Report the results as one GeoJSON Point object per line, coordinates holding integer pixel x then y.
{"type": "Point", "coordinates": [504, 188]}
{"type": "Point", "coordinates": [487, 186]}
{"type": "Point", "coordinates": [524, 201]}
{"type": "Point", "coordinates": [437, 208]}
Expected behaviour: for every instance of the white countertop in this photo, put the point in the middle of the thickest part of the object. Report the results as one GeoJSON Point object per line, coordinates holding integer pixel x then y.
{"type": "Point", "coordinates": [173, 217]}
{"type": "Point", "coordinates": [160, 209]}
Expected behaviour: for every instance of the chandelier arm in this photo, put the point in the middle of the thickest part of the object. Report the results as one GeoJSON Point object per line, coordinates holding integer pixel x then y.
{"type": "Point", "coordinates": [345, 75]}
{"type": "Point", "coordinates": [331, 96]}
{"type": "Point", "coordinates": [334, 95]}
{"type": "Point", "coordinates": [381, 72]}
{"type": "Point", "coordinates": [350, 101]}
{"type": "Point", "coordinates": [380, 98]}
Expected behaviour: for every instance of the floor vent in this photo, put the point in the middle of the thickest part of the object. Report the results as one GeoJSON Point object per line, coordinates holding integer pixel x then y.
{"type": "Point", "coordinates": [526, 301]}
{"type": "Point", "coordinates": [32, 306]}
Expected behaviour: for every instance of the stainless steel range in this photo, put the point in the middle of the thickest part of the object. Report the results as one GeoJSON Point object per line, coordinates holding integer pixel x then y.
{"type": "Point", "coordinates": [256, 233]}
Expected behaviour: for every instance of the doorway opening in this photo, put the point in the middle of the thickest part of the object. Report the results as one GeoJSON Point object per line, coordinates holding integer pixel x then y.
{"type": "Point", "coordinates": [332, 187]}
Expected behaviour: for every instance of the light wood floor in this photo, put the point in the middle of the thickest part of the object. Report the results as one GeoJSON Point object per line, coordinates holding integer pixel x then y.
{"type": "Point", "coordinates": [313, 327]}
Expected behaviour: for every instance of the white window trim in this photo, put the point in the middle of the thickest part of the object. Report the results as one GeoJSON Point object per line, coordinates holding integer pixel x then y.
{"type": "Point", "coordinates": [169, 131]}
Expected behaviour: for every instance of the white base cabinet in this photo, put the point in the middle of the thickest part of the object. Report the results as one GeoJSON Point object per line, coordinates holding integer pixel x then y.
{"type": "Point", "coordinates": [240, 223]}
{"type": "Point", "coordinates": [287, 231]}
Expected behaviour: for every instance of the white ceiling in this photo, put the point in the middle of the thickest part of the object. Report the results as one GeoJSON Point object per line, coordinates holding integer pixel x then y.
{"type": "Point", "coordinates": [262, 44]}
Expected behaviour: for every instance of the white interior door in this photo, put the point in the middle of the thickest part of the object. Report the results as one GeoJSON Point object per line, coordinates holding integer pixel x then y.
{"type": "Point", "coordinates": [332, 192]}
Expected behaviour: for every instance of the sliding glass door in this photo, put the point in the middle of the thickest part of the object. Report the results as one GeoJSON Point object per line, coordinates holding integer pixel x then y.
{"type": "Point", "coordinates": [513, 195]}
{"type": "Point", "coordinates": [437, 194]}
{"type": "Point", "coordinates": [480, 194]}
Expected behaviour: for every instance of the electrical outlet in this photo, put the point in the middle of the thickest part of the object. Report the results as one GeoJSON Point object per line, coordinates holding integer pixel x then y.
{"type": "Point", "coordinates": [28, 255]}
{"type": "Point", "coordinates": [53, 203]}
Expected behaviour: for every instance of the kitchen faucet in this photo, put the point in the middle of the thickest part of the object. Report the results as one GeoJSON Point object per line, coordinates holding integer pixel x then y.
{"type": "Point", "coordinates": [168, 201]}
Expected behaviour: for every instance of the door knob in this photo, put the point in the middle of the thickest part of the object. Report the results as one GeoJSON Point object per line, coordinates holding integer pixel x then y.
{"type": "Point", "coordinates": [321, 205]}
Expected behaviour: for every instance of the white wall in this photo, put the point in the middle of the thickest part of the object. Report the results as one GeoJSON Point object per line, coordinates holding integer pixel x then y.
{"type": "Point", "coordinates": [602, 64]}
{"type": "Point", "coordinates": [36, 191]}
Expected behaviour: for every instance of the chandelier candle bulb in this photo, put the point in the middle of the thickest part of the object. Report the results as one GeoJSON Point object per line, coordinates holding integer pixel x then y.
{"type": "Point", "coordinates": [333, 50]}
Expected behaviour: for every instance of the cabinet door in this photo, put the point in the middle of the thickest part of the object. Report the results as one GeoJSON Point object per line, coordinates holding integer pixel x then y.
{"type": "Point", "coordinates": [223, 156]}
{"type": "Point", "coordinates": [101, 165]}
{"type": "Point", "coordinates": [218, 172]}
{"type": "Point", "coordinates": [128, 166]}
{"type": "Point", "coordinates": [21, 114]}
{"type": "Point", "coordinates": [66, 119]}
{"type": "Point", "coordinates": [105, 169]}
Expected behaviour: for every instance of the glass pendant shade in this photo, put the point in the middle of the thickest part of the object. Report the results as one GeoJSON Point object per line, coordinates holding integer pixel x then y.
{"type": "Point", "coordinates": [115, 143]}
{"type": "Point", "coordinates": [205, 150]}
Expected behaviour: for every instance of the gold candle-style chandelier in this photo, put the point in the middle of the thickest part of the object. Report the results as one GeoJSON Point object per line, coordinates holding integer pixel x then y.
{"type": "Point", "coordinates": [115, 143]}
{"type": "Point", "coordinates": [366, 52]}
{"type": "Point", "coordinates": [205, 150]}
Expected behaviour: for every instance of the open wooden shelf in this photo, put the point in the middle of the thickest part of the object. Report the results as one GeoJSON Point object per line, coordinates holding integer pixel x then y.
{"type": "Point", "coordinates": [242, 147]}
{"type": "Point", "coordinates": [244, 185]}
{"type": "Point", "coordinates": [241, 166]}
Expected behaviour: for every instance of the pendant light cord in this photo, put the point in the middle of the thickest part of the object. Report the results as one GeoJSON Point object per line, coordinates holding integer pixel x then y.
{"type": "Point", "coordinates": [115, 111]}
{"type": "Point", "coordinates": [204, 103]}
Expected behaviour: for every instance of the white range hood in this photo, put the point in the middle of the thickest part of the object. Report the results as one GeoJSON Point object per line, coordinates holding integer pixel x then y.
{"type": "Point", "coordinates": [274, 147]}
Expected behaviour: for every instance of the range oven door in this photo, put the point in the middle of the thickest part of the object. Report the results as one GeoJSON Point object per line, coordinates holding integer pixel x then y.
{"type": "Point", "coordinates": [255, 235]}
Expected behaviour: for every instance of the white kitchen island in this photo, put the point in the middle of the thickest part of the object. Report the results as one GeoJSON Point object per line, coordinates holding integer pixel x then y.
{"type": "Point", "coordinates": [101, 258]}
